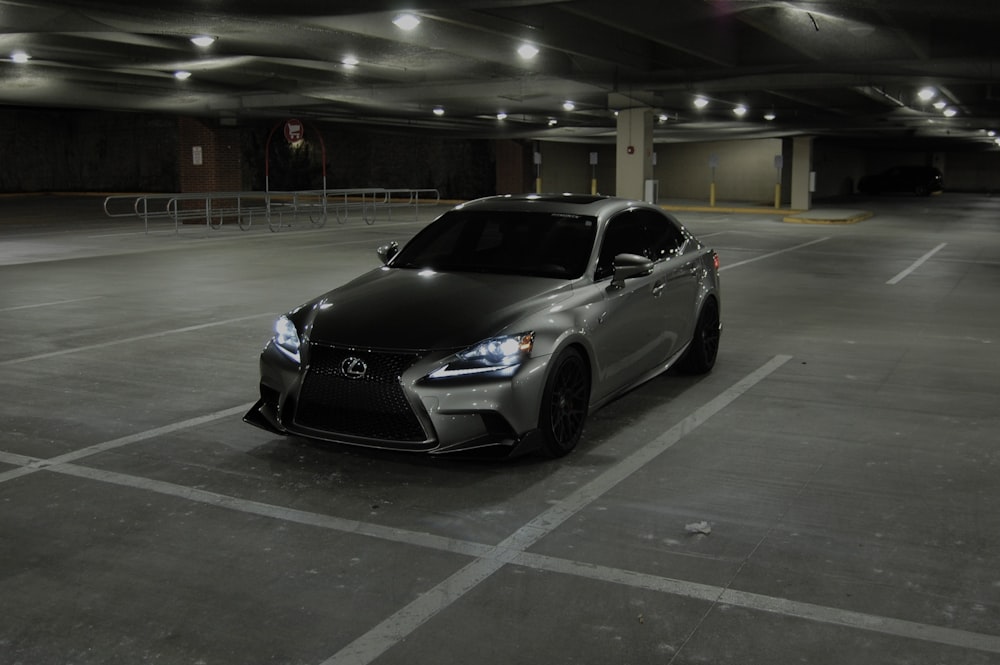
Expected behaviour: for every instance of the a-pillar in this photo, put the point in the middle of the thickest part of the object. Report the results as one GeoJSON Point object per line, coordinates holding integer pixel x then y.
{"type": "Point", "coordinates": [798, 179]}
{"type": "Point", "coordinates": [634, 162]}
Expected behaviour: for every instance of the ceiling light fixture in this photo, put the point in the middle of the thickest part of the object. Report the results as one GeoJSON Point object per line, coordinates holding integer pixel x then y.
{"type": "Point", "coordinates": [664, 117]}
{"type": "Point", "coordinates": [927, 94]}
{"type": "Point", "coordinates": [527, 51]}
{"type": "Point", "coordinates": [770, 115]}
{"type": "Point", "coordinates": [438, 110]}
{"type": "Point", "coordinates": [203, 40]}
{"type": "Point", "coordinates": [182, 75]}
{"type": "Point", "coordinates": [568, 105]}
{"type": "Point", "coordinates": [350, 61]}
{"type": "Point", "coordinates": [700, 102]}
{"type": "Point", "coordinates": [553, 122]}
{"type": "Point", "coordinates": [406, 21]}
{"type": "Point", "coordinates": [950, 112]}
{"type": "Point", "coordinates": [740, 111]}
{"type": "Point", "coordinates": [940, 104]}
{"type": "Point", "coordinates": [501, 115]}
{"type": "Point", "coordinates": [20, 57]}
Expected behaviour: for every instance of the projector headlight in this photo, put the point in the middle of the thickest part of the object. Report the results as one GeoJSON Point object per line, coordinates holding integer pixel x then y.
{"type": "Point", "coordinates": [286, 337]}
{"type": "Point", "coordinates": [497, 354]}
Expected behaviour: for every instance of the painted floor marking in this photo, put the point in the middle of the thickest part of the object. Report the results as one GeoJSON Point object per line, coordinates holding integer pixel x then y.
{"type": "Point", "coordinates": [916, 264]}
{"type": "Point", "coordinates": [128, 340]}
{"type": "Point", "coordinates": [488, 559]}
{"type": "Point", "coordinates": [49, 304]}
{"type": "Point", "coordinates": [770, 254]}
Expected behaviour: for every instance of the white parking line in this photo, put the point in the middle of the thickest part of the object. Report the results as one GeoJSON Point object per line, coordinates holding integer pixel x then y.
{"type": "Point", "coordinates": [49, 304]}
{"type": "Point", "coordinates": [770, 254]}
{"type": "Point", "coordinates": [127, 340]}
{"type": "Point", "coordinates": [395, 628]}
{"type": "Point", "coordinates": [916, 264]}
{"type": "Point", "coordinates": [512, 550]}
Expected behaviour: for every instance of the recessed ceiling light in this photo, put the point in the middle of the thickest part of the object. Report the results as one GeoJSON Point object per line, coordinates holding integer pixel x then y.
{"type": "Point", "coordinates": [527, 51]}
{"type": "Point", "coordinates": [20, 56]}
{"type": "Point", "coordinates": [700, 102]}
{"type": "Point", "coordinates": [568, 105]}
{"type": "Point", "coordinates": [664, 117]}
{"type": "Point", "coordinates": [438, 110]}
{"type": "Point", "coordinates": [182, 75]}
{"type": "Point", "coordinates": [991, 133]}
{"type": "Point", "coordinates": [203, 40]}
{"type": "Point", "coordinates": [770, 116]}
{"type": "Point", "coordinates": [927, 94]}
{"type": "Point", "coordinates": [406, 21]}
{"type": "Point", "coordinates": [350, 61]}
{"type": "Point", "coordinates": [940, 104]}
{"type": "Point", "coordinates": [950, 112]}
{"type": "Point", "coordinates": [740, 110]}
{"type": "Point", "coordinates": [501, 116]}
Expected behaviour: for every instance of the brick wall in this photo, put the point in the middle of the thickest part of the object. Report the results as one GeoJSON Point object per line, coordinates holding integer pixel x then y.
{"type": "Point", "coordinates": [218, 151]}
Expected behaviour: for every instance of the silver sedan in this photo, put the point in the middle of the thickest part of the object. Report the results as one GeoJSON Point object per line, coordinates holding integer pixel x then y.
{"type": "Point", "coordinates": [499, 325]}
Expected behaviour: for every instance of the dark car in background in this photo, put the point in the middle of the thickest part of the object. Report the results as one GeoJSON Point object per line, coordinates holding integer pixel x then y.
{"type": "Point", "coordinates": [919, 180]}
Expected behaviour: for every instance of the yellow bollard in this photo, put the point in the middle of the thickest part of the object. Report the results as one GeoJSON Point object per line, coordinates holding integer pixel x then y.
{"type": "Point", "coordinates": [777, 195]}
{"type": "Point", "coordinates": [538, 185]}
{"type": "Point", "coordinates": [711, 195]}
{"type": "Point", "coordinates": [593, 186]}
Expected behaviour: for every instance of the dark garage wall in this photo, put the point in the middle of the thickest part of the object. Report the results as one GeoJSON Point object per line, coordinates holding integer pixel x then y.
{"type": "Point", "coordinates": [86, 151]}
{"type": "Point", "coordinates": [93, 151]}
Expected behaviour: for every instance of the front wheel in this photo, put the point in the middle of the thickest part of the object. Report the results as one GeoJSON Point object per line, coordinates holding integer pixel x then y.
{"type": "Point", "coordinates": [564, 403]}
{"type": "Point", "coordinates": [701, 354]}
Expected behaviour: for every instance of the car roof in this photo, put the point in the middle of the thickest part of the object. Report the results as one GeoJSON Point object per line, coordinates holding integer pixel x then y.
{"type": "Point", "coordinates": [580, 204]}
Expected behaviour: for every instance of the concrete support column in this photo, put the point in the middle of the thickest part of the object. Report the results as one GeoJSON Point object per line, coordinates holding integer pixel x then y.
{"type": "Point", "coordinates": [634, 154]}
{"type": "Point", "coordinates": [801, 171]}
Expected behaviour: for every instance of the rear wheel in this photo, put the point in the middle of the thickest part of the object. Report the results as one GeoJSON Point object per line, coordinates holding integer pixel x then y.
{"type": "Point", "coordinates": [564, 403]}
{"type": "Point", "coordinates": [700, 356]}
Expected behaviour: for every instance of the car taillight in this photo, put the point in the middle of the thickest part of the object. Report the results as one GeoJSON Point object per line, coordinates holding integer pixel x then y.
{"type": "Point", "coordinates": [715, 260]}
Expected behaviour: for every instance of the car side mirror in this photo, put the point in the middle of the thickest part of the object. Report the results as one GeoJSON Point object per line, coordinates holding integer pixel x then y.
{"type": "Point", "coordinates": [386, 252]}
{"type": "Point", "coordinates": [627, 266]}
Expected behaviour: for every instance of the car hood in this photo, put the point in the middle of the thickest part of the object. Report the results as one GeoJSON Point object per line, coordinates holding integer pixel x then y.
{"type": "Point", "coordinates": [412, 309]}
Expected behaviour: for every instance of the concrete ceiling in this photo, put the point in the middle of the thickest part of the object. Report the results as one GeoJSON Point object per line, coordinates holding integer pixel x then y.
{"type": "Point", "coordinates": [850, 69]}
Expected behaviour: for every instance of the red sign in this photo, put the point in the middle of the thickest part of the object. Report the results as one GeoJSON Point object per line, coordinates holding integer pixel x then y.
{"type": "Point", "coordinates": [294, 131]}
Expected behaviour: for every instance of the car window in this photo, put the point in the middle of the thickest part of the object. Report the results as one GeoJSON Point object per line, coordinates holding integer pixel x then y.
{"type": "Point", "coordinates": [638, 231]}
{"type": "Point", "coordinates": [508, 242]}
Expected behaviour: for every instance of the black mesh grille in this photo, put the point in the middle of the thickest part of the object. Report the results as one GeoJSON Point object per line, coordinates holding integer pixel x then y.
{"type": "Point", "coordinates": [358, 394]}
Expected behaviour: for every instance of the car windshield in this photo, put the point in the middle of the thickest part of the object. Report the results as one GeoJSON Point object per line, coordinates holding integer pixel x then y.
{"type": "Point", "coordinates": [540, 244]}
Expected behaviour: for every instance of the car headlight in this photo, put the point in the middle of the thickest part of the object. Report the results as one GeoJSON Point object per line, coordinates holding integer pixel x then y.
{"type": "Point", "coordinates": [497, 354]}
{"type": "Point", "coordinates": [286, 337]}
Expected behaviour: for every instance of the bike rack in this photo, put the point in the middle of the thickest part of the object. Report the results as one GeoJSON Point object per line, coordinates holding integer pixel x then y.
{"type": "Point", "coordinates": [211, 209]}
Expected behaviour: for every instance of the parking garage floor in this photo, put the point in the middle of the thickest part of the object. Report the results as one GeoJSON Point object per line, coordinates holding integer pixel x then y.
{"type": "Point", "coordinates": [827, 495]}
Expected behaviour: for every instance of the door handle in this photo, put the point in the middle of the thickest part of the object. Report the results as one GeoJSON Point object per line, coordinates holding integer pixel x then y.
{"type": "Point", "coordinates": [658, 289]}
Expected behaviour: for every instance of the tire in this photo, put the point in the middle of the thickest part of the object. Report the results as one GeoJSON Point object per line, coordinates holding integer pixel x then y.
{"type": "Point", "coordinates": [701, 354]}
{"type": "Point", "coordinates": [565, 401]}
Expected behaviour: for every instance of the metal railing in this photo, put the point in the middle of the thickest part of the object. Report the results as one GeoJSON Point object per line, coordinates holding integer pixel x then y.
{"type": "Point", "coordinates": [277, 209]}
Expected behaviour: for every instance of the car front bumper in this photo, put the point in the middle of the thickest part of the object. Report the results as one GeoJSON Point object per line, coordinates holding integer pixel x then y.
{"type": "Point", "coordinates": [398, 407]}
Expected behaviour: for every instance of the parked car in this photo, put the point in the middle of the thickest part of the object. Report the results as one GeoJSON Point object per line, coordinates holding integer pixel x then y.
{"type": "Point", "coordinates": [501, 324]}
{"type": "Point", "coordinates": [919, 180]}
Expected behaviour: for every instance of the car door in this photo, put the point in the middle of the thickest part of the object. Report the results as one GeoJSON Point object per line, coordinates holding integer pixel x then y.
{"type": "Point", "coordinates": [675, 288]}
{"type": "Point", "coordinates": [628, 336]}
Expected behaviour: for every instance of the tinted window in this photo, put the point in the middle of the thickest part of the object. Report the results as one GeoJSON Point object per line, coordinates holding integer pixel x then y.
{"type": "Point", "coordinates": [519, 243]}
{"type": "Point", "coordinates": [638, 231]}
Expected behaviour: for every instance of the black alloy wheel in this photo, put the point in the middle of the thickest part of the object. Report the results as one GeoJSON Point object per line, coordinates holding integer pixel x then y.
{"type": "Point", "coordinates": [700, 356]}
{"type": "Point", "coordinates": [565, 401]}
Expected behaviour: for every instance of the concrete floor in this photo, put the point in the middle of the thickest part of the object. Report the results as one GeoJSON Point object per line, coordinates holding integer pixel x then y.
{"type": "Point", "coordinates": [844, 454]}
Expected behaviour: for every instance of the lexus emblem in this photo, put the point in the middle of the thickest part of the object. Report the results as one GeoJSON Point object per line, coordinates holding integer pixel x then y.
{"type": "Point", "coordinates": [353, 368]}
